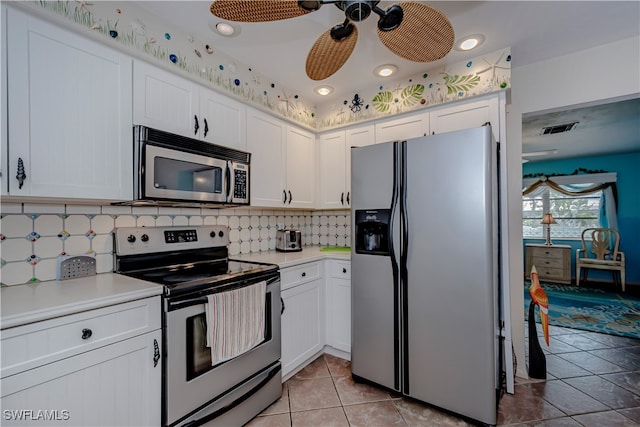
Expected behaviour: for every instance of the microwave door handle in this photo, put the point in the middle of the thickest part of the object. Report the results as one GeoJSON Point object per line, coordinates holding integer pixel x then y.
{"type": "Point", "coordinates": [228, 178]}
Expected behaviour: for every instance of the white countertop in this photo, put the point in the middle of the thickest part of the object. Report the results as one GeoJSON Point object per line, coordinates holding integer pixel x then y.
{"type": "Point", "coordinates": [289, 259]}
{"type": "Point", "coordinates": [33, 302]}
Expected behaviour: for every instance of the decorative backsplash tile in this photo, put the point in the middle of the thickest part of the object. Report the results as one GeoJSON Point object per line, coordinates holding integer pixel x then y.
{"type": "Point", "coordinates": [31, 242]}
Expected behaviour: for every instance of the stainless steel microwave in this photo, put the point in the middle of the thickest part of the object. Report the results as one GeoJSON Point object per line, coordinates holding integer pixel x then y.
{"type": "Point", "coordinates": [175, 170]}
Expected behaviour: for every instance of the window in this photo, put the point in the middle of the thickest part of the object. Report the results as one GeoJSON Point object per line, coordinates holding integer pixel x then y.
{"type": "Point", "coordinates": [572, 213]}
{"type": "Point", "coordinates": [577, 201]}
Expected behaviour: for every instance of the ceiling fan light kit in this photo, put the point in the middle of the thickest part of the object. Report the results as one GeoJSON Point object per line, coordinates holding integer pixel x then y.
{"type": "Point", "coordinates": [411, 30]}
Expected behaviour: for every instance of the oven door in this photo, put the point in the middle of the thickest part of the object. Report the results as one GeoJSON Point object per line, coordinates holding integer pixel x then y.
{"type": "Point", "coordinates": [177, 175]}
{"type": "Point", "coordinates": [193, 388]}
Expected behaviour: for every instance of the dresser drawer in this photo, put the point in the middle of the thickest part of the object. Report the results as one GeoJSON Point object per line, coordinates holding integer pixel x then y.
{"type": "Point", "coordinates": [541, 262]}
{"type": "Point", "coordinates": [294, 276]}
{"type": "Point", "coordinates": [550, 273]}
{"type": "Point", "coordinates": [544, 252]}
{"type": "Point", "coordinates": [26, 347]}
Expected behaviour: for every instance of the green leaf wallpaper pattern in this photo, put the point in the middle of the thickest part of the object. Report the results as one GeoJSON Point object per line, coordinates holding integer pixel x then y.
{"type": "Point", "coordinates": [382, 101]}
{"type": "Point", "coordinates": [458, 83]}
{"type": "Point", "coordinates": [412, 95]}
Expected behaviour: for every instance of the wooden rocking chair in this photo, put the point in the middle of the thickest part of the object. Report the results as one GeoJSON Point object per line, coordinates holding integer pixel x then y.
{"type": "Point", "coordinates": [603, 255]}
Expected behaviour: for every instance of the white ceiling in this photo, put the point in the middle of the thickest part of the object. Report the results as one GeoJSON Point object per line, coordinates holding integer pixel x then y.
{"type": "Point", "coordinates": [535, 30]}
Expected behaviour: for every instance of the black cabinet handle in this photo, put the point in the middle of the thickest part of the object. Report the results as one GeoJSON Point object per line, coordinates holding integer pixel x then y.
{"type": "Point", "coordinates": [282, 309]}
{"type": "Point", "coordinates": [284, 199]}
{"type": "Point", "coordinates": [156, 352]}
{"type": "Point", "coordinates": [344, 270]}
{"type": "Point", "coordinates": [206, 127]}
{"type": "Point", "coordinates": [348, 193]}
{"type": "Point", "coordinates": [21, 176]}
{"type": "Point", "coordinates": [342, 198]}
{"type": "Point", "coordinates": [304, 274]}
{"type": "Point", "coordinates": [290, 198]}
{"type": "Point", "coordinates": [196, 126]}
{"type": "Point", "coordinates": [86, 334]}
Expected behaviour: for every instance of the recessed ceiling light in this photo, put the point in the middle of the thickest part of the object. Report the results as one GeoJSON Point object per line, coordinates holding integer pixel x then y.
{"type": "Point", "coordinates": [323, 90]}
{"type": "Point", "coordinates": [224, 29]}
{"type": "Point", "coordinates": [469, 42]}
{"type": "Point", "coordinates": [385, 70]}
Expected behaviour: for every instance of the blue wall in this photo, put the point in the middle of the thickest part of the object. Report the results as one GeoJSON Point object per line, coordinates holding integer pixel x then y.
{"type": "Point", "coordinates": [627, 166]}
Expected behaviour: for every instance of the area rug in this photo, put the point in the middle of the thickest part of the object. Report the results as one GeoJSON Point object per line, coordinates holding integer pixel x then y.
{"type": "Point", "coordinates": [590, 309]}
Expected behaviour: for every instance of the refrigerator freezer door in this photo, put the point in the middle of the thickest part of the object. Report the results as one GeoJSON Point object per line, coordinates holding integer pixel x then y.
{"type": "Point", "coordinates": [451, 266]}
{"type": "Point", "coordinates": [374, 296]}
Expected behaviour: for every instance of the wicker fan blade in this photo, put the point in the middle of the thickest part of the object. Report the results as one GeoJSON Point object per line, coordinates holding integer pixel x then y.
{"type": "Point", "coordinates": [256, 10]}
{"type": "Point", "coordinates": [328, 55]}
{"type": "Point", "coordinates": [424, 35]}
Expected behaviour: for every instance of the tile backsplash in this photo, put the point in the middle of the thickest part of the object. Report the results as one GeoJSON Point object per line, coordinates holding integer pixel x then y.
{"type": "Point", "coordinates": [33, 236]}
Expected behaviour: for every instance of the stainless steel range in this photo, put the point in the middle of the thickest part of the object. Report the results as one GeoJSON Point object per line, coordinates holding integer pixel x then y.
{"type": "Point", "coordinates": [193, 266]}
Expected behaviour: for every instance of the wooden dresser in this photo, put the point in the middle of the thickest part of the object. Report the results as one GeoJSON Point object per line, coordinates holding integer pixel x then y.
{"type": "Point", "coordinates": [552, 262]}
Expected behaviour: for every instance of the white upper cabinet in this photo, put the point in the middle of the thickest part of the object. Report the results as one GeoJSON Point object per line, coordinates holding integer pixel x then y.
{"type": "Point", "coordinates": [466, 115]}
{"type": "Point", "coordinates": [168, 102]}
{"type": "Point", "coordinates": [266, 139]}
{"type": "Point", "coordinates": [282, 162]}
{"type": "Point", "coordinates": [409, 126]}
{"type": "Point", "coordinates": [358, 136]}
{"type": "Point", "coordinates": [335, 164]}
{"type": "Point", "coordinates": [333, 170]}
{"type": "Point", "coordinates": [301, 168]}
{"type": "Point", "coordinates": [69, 106]}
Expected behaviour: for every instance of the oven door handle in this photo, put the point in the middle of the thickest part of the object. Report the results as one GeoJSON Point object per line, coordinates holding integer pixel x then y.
{"type": "Point", "coordinates": [187, 303]}
{"type": "Point", "coordinates": [175, 305]}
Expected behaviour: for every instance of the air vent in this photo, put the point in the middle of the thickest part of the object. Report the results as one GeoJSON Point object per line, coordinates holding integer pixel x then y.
{"type": "Point", "coordinates": [558, 128]}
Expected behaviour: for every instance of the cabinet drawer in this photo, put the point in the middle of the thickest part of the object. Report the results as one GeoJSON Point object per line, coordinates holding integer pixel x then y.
{"type": "Point", "coordinates": [300, 274]}
{"type": "Point", "coordinates": [26, 347]}
{"type": "Point", "coordinates": [550, 273]}
{"type": "Point", "coordinates": [341, 269]}
{"type": "Point", "coordinates": [545, 252]}
{"type": "Point", "coordinates": [542, 263]}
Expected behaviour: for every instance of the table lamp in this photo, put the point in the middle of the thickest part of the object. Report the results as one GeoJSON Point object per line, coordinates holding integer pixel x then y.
{"type": "Point", "coordinates": [548, 220]}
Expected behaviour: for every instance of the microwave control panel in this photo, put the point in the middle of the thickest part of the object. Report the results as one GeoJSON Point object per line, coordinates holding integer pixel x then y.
{"type": "Point", "coordinates": [240, 187]}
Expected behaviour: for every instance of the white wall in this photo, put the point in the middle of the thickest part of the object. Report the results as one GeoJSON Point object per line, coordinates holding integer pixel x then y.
{"type": "Point", "coordinates": [600, 73]}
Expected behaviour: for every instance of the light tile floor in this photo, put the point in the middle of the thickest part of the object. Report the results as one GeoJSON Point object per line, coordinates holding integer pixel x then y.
{"type": "Point", "coordinates": [592, 380]}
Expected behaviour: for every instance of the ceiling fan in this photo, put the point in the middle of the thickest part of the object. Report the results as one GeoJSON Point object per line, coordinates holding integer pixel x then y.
{"type": "Point", "coordinates": [411, 30]}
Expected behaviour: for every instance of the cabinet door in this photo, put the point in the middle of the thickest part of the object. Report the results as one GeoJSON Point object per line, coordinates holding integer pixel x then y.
{"type": "Point", "coordinates": [164, 101]}
{"type": "Point", "coordinates": [339, 305]}
{"type": "Point", "coordinates": [360, 136]}
{"type": "Point", "coordinates": [302, 324]}
{"type": "Point", "coordinates": [406, 127]}
{"type": "Point", "coordinates": [118, 385]}
{"type": "Point", "coordinates": [266, 143]}
{"type": "Point", "coordinates": [465, 116]}
{"type": "Point", "coordinates": [301, 168]}
{"type": "Point", "coordinates": [222, 120]}
{"type": "Point", "coordinates": [69, 105]}
{"type": "Point", "coordinates": [333, 171]}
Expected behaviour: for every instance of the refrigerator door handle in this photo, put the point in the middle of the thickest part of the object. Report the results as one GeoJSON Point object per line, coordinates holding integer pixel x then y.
{"type": "Point", "coordinates": [393, 254]}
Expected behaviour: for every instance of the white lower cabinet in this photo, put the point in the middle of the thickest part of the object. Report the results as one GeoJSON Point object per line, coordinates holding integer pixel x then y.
{"type": "Point", "coordinates": [99, 367]}
{"type": "Point", "coordinates": [303, 315]}
{"type": "Point", "coordinates": [338, 313]}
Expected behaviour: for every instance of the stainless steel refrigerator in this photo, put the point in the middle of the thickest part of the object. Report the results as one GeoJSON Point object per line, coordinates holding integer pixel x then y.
{"type": "Point", "coordinates": [425, 282]}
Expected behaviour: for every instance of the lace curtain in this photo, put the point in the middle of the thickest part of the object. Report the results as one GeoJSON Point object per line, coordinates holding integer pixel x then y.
{"type": "Point", "coordinates": [581, 185]}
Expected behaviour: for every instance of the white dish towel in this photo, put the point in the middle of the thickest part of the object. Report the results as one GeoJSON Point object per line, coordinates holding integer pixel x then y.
{"type": "Point", "coordinates": [235, 321]}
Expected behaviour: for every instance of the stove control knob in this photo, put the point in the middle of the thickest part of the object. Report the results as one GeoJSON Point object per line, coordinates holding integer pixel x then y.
{"type": "Point", "coordinates": [131, 238]}
{"type": "Point", "coordinates": [144, 238]}
{"type": "Point", "coordinates": [212, 234]}
{"type": "Point", "coordinates": [220, 233]}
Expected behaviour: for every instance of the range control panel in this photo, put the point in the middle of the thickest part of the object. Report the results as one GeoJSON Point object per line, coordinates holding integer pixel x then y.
{"type": "Point", "coordinates": [145, 240]}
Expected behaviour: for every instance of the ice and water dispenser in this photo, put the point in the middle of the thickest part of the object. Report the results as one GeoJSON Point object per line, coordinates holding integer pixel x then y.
{"type": "Point", "coordinates": [372, 231]}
